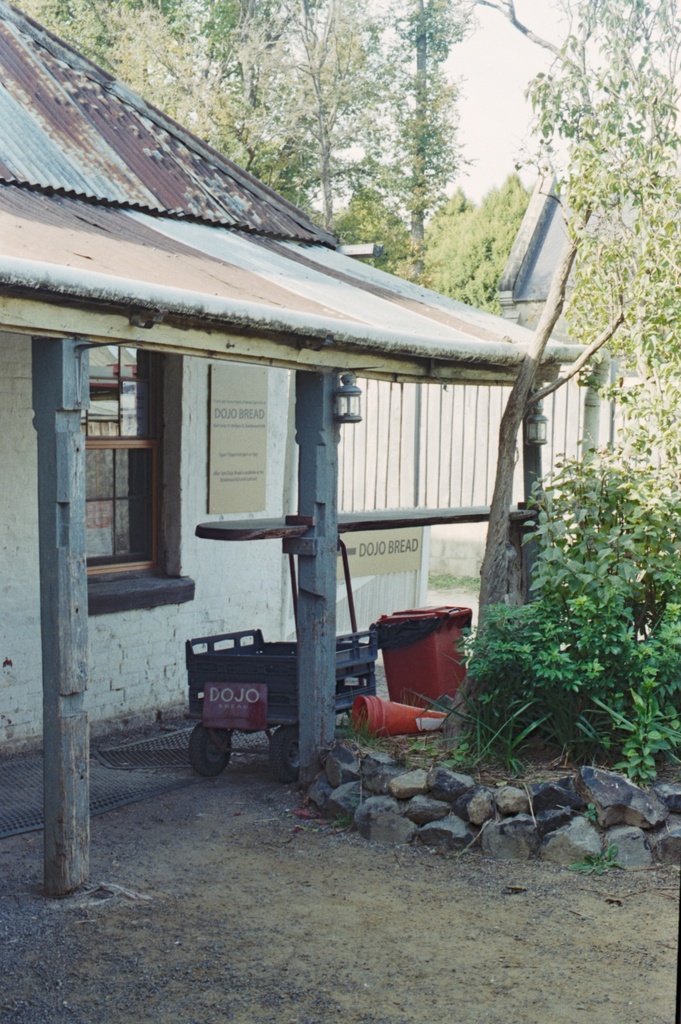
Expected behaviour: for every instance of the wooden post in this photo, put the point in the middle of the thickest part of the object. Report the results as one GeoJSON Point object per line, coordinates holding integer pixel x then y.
{"type": "Point", "coordinates": [317, 435]}
{"type": "Point", "coordinates": [60, 392]}
{"type": "Point", "coordinates": [527, 548]}
{"type": "Point", "coordinates": [599, 375]}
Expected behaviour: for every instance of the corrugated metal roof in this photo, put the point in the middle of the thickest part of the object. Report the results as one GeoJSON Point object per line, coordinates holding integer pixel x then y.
{"type": "Point", "coordinates": [68, 126]}
{"type": "Point", "coordinates": [347, 287]}
{"type": "Point", "coordinates": [122, 244]}
{"type": "Point", "coordinates": [107, 206]}
{"type": "Point", "coordinates": [213, 278]}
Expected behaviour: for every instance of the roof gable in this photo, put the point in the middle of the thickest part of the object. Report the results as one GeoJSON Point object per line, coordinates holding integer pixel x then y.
{"type": "Point", "coordinates": [537, 247]}
{"type": "Point", "coordinates": [70, 127]}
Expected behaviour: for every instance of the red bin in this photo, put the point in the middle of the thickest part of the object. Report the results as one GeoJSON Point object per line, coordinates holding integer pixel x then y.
{"type": "Point", "coordinates": [420, 655]}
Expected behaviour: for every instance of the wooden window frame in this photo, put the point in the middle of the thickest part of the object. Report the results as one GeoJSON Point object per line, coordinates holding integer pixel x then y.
{"type": "Point", "coordinates": [152, 443]}
{"type": "Point", "coordinates": [128, 444]}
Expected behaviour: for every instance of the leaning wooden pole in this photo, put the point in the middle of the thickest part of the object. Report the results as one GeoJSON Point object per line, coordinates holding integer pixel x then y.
{"type": "Point", "coordinates": [60, 392]}
{"type": "Point", "coordinates": [495, 566]}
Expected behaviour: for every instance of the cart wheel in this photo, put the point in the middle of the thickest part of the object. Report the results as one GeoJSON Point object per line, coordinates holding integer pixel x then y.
{"type": "Point", "coordinates": [205, 756]}
{"type": "Point", "coordinates": [285, 754]}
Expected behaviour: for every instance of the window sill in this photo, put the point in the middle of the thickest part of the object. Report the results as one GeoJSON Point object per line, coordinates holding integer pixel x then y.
{"type": "Point", "coordinates": [124, 592]}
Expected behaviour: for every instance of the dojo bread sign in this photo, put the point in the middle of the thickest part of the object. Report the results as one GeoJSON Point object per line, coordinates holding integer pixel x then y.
{"type": "Point", "coordinates": [237, 469]}
{"type": "Point", "coordinates": [235, 706]}
{"type": "Point", "coordinates": [376, 552]}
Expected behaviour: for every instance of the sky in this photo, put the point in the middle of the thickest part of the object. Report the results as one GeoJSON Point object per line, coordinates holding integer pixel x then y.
{"type": "Point", "coordinates": [496, 64]}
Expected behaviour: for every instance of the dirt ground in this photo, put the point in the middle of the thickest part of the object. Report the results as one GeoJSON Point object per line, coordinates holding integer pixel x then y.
{"type": "Point", "coordinates": [248, 913]}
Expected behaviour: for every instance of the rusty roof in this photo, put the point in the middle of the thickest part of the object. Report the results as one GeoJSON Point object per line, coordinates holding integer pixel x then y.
{"type": "Point", "coordinates": [120, 220]}
{"type": "Point", "coordinates": [67, 126]}
{"type": "Point", "coordinates": [213, 287]}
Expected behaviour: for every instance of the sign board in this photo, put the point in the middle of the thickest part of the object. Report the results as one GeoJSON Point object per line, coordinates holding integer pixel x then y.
{"type": "Point", "coordinates": [237, 463]}
{"type": "Point", "coordinates": [377, 552]}
{"type": "Point", "coordinates": [235, 706]}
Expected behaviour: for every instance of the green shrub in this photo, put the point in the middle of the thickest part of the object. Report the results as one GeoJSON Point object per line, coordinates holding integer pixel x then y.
{"type": "Point", "coordinates": [597, 656]}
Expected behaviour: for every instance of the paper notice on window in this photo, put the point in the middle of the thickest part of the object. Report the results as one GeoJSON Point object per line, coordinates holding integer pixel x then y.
{"type": "Point", "coordinates": [237, 463]}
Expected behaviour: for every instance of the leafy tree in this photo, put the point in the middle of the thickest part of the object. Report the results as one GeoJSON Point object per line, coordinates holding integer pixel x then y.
{"type": "Point", "coordinates": [336, 87]}
{"type": "Point", "coordinates": [422, 144]}
{"type": "Point", "coordinates": [594, 665]}
{"type": "Point", "coordinates": [254, 120]}
{"type": "Point", "coordinates": [607, 121]}
{"type": "Point", "coordinates": [607, 573]}
{"type": "Point", "coordinates": [288, 89]}
{"type": "Point", "coordinates": [467, 246]}
{"type": "Point", "coordinates": [369, 218]}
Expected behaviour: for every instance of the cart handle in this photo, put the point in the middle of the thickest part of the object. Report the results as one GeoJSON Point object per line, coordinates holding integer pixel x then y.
{"type": "Point", "coordinates": [348, 584]}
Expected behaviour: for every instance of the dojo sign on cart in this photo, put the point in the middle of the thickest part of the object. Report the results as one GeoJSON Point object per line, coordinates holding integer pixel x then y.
{"type": "Point", "coordinates": [235, 706]}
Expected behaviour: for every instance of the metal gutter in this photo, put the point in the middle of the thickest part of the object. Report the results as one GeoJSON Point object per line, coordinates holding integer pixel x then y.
{"type": "Point", "coordinates": [49, 280]}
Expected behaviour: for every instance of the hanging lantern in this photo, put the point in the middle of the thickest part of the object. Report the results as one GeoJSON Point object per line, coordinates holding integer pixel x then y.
{"type": "Point", "coordinates": [347, 406]}
{"type": "Point", "coordinates": [536, 426]}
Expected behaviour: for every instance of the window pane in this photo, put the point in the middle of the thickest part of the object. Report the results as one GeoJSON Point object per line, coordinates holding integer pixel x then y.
{"type": "Point", "coordinates": [134, 408]}
{"type": "Point", "coordinates": [133, 532]}
{"type": "Point", "coordinates": [133, 504]}
{"type": "Point", "coordinates": [127, 363]}
{"type": "Point", "coordinates": [99, 529]}
{"type": "Point", "coordinates": [103, 414]}
{"type": "Point", "coordinates": [133, 472]}
{"type": "Point", "coordinates": [99, 473]}
{"type": "Point", "coordinates": [119, 480]}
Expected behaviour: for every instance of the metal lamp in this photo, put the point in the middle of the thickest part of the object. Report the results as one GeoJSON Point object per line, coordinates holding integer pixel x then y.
{"type": "Point", "coordinates": [536, 426]}
{"type": "Point", "coordinates": [347, 400]}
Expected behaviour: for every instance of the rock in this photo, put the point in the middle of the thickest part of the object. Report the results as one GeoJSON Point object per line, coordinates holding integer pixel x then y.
{"type": "Point", "coordinates": [448, 785]}
{"type": "Point", "coordinates": [618, 801]}
{"type": "Point", "coordinates": [633, 848]}
{"type": "Point", "coordinates": [549, 796]}
{"type": "Point", "coordinates": [380, 818]}
{"type": "Point", "coordinates": [668, 847]}
{"type": "Point", "coordinates": [449, 834]}
{"type": "Point", "coordinates": [342, 764]}
{"type": "Point", "coordinates": [405, 786]}
{"type": "Point", "coordinates": [511, 839]}
{"type": "Point", "coordinates": [476, 806]}
{"type": "Point", "coordinates": [511, 800]}
{"type": "Point", "coordinates": [319, 792]}
{"type": "Point", "coordinates": [572, 842]}
{"type": "Point", "coordinates": [550, 821]}
{"type": "Point", "coordinates": [670, 795]}
{"type": "Point", "coordinates": [377, 771]}
{"type": "Point", "coordinates": [343, 801]}
{"type": "Point", "coordinates": [423, 809]}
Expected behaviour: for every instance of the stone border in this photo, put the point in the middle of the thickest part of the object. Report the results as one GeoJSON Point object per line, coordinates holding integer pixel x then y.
{"type": "Point", "coordinates": [581, 815]}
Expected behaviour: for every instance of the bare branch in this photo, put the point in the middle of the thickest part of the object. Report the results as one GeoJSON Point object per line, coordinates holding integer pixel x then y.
{"type": "Point", "coordinates": [507, 9]}
{"type": "Point", "coordinates": [586, 355]}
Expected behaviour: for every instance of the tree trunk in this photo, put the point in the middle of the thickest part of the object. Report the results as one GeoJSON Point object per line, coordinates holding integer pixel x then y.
{"type": "Point", "coordinates": [418, 169]}
{"type": "Point", "coordinates": [499, 551]}
{"type": "Point", "coordinates": [495, 566]}
{"type": "Point", "coordinates": [325, 177]}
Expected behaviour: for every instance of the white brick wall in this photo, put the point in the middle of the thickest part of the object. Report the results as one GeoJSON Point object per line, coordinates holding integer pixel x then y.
{"type": "Point", "coordinates": [137, 658]}
{"type": "Point", "coordinates": [20, 662]}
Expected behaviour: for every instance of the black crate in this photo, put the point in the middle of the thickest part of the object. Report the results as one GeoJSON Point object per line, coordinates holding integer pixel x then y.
{"type": "Point", "coordinates": [245, 658]}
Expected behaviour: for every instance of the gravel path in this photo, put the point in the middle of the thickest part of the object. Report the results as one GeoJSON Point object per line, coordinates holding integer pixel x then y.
{"type": "Point", "coordinates": [252, 914]}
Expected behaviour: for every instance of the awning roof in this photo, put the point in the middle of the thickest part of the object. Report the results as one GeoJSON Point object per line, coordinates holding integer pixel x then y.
{"type": "Point", "coordinates": [229, 294]}
{"type": "Point", "coordinates": [119, 225]}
